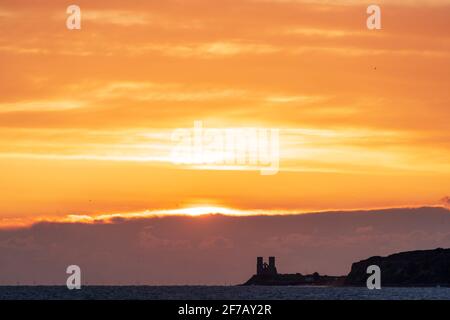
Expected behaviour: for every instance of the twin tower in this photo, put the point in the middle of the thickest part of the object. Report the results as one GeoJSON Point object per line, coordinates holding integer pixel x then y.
{"type": "Point", "coordinates": [263, 268]}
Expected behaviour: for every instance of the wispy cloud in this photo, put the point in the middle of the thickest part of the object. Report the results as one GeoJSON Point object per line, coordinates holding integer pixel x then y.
{"type": "Point", "coordinates": [149, 91]}
{"type": "Point", "coordinates": [118, 17]}
{"type": "Point", "coordinates": [39, 106]}
{"type": "Point", "coordinates": [357, 2]}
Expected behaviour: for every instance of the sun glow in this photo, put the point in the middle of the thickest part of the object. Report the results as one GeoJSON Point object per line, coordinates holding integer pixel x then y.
{"type": "Point", "coordinates": [188, 211]}
{"type": "Point", "coordinates": [198, 211]}
{"type": "Point", "coordinates": [193, 211]}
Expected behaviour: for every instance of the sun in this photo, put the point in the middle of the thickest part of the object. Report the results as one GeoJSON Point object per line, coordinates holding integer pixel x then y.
{"type": "Point", "coordinates": [204, 210]}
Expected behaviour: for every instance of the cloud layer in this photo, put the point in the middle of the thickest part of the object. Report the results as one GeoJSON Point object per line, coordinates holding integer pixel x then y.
{"type": "Point", "coordinates": [213, 249]}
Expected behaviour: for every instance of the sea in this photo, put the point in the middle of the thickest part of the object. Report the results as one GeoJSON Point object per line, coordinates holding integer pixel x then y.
{"type": "Point", "coordinates": [219, 293]}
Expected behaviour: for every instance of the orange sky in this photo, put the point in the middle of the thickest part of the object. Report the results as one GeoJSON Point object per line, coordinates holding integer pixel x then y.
{"type": "Point", "coordinates": [86, 116]}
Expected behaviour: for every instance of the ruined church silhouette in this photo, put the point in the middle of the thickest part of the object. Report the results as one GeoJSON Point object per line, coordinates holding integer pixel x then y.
{"type": "Point", "coordinates": [263, 268]}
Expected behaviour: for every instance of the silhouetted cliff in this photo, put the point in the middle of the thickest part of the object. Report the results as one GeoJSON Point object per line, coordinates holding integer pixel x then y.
{"type": "Point", "coordinates": [413, 268]}
{"type": "Point", "coordinates": [423, 268]}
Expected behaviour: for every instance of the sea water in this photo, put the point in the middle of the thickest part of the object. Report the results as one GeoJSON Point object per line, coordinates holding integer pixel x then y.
{"type": "Point", "coordinates": [219, 292]}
